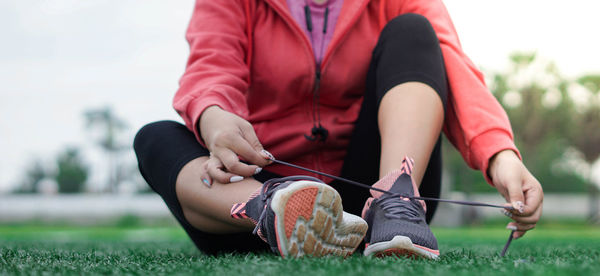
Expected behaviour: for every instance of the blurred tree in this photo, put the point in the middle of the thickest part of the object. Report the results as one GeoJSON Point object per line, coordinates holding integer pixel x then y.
{"type": "Point", "coordinates": [587, 121]}
{"type": "Point", "coordinates": [587, 137]}
{"type": "Point", "coordinates": [71, 172]}
{"type": "Point", "coordinates": [34, 174]}
{"type": "Point", "coordinates": [111, 126]}
{"type": "Point", "coordinates": [536, 99]}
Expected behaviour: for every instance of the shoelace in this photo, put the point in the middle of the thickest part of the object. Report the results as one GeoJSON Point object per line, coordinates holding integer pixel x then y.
{"type": "Point", "coordinates": [398, 208]}
{"type": "Point", "coordinates": [268, 189]}
{"type": "Point", "coordinates": [391, 194]}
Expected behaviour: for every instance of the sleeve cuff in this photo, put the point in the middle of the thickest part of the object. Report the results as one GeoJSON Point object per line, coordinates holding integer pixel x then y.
{"type": "Point", "coordinates": [486, 145]}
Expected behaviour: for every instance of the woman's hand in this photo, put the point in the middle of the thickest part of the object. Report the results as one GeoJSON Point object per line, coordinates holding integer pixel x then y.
{"type": "Point", "coordinates": [228, 136]}
{"type": "Point", "coordinates": [520, 189]}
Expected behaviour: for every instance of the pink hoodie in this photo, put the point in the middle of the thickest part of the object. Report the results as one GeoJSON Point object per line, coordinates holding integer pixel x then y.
{"type": "Point", "coordinates": [251, 58]}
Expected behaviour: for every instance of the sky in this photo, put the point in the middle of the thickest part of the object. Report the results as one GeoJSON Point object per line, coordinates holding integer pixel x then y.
{"type": "Point", "coordinates": [59, 58]}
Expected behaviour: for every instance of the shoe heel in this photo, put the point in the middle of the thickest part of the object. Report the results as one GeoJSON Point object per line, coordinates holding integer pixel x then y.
{"type": "Point", "coordinates": [309, 220]}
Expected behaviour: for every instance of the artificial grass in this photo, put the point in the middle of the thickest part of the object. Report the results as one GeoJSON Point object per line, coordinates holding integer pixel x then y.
{"type": "Point", "coordinates": [465, 251]}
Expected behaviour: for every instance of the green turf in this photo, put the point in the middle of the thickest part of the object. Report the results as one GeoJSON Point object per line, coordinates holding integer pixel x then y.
{"type": "Point", "coordinates": [549, 250]}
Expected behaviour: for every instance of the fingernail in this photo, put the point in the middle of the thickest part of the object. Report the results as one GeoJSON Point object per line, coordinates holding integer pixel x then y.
{"type": "Point", "coordinates": [267, 154]}
{"type": "Point", "coordinates": [258, 170]}
{"type": "Point", "coordinates": [506, 213]}
{"type": "Point", "coordinates": [520, 206]}
{"type": "Point", "coordinates": [235, 178]}
{"type": "Point", "coordinates": [511, 227]}
{"type": "Point", "coordinates": [206, 182]}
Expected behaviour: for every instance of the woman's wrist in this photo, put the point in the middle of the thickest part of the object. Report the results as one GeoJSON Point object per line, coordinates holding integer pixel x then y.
{"type": "Point", "coordinates": [206, 111]}
{"type": "Point", "coordinates": [498, 158]}
{"type": "Point", "coordinates": [205, 115]}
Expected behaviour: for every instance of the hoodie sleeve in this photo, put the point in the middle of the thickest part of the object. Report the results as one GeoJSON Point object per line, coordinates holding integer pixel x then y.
{"type": "Point", "coordinates": [216, 72]}
{"type": "Point", "coordinates": [475, 123]}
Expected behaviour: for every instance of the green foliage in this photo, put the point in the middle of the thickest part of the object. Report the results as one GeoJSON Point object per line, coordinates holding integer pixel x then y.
{"type": "Point", "coordinates": [591, 82]}
{"type": "Point", "coordinates": [72, 172]}
{"type": "Point", "coordinates": [587, 121]}
{"type": "Point", "coordinates": [464, 179]}
{"type": "Point", "coordinates": [546, 121]}
{"type": "Point", "coordinates": [129, 221]}
{"type": "Point", "coordinates": [521, 59]}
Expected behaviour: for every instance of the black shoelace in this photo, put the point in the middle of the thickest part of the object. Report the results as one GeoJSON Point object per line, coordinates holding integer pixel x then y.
{"type": "Point", "coordinates": [398, 208]}
{"type": "Point", "coordinates": [391, 195]}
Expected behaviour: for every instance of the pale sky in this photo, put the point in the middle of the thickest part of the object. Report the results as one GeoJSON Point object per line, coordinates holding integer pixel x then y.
{"type": "Point", "coordinates": [61, 57]}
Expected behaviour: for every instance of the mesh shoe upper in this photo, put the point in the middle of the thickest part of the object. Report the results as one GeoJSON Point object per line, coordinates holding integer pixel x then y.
{"type": "Point", "coordinates": [390, 215]}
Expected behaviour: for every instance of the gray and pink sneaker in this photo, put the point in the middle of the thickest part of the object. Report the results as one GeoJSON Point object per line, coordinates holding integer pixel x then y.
{"type": "Point", "coordinates": [397, 224]}
{"type": "Point", "coordinates": [301, 215]}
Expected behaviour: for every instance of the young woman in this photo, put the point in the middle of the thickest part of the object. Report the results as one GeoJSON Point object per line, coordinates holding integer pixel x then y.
{"type": "Point", "coordinates": [361, 89]}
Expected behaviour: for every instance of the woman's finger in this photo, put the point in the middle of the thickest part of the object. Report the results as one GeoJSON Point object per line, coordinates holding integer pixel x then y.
{"type": "Point", "coordinates": [532, 218]}
{"type": "Point", "coordinates": [534, 195]}
{"type": "Point", "coordinates": [205, 176]}
{"type": "Point", "coordinates": [215, 170]}
{"type": "Point", "coordinates": [256, 157]}
{"type": "Point", "coordinates": [243, 148]}
{"type": "Point", "coordinates": [520, 228]}
{"type": "Point", "coordinates": [516, 196]}
{"type": "Point", "coordinates": [232, 163]}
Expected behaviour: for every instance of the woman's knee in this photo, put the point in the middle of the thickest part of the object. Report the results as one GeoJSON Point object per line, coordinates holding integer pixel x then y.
{"type": "Point", "coordinates": [144, 137]}
{"type": "Point", "coordinates": [409, 50]}
{"type": "Point", "coordinates": [411, 28]}
{"type": "Point", "coordinates": [160, 147]}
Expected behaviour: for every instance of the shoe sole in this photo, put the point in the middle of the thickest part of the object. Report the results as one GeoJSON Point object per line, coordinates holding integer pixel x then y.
{"type": "Point", "coordinates": [400, 246]}
{"type": "Point", "coordinates": [309, 220]}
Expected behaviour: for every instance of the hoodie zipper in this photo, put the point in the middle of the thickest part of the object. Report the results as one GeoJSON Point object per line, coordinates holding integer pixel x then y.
{"type": "Point", "coordinates": [279, 8]}
{"type": "Point", "coordinates": [318, 132]}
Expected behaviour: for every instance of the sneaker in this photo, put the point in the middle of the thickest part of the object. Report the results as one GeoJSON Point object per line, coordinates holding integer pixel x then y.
{"type": "Point", "coordinates": [301, 215]}
{"type": "Point", "coordinates": [397, 224]}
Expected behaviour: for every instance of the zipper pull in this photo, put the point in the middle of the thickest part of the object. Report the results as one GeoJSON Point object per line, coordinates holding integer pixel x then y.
{"type": "Point", "coordinates": [318, 131]}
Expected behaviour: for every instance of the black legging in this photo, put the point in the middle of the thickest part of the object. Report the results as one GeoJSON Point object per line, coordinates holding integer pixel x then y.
{"type": "Point", "coordinates": [407, 50]}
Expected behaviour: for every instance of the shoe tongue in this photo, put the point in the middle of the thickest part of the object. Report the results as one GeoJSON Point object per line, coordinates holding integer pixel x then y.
{"type": "Point", "coordinates": [403, 185]}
